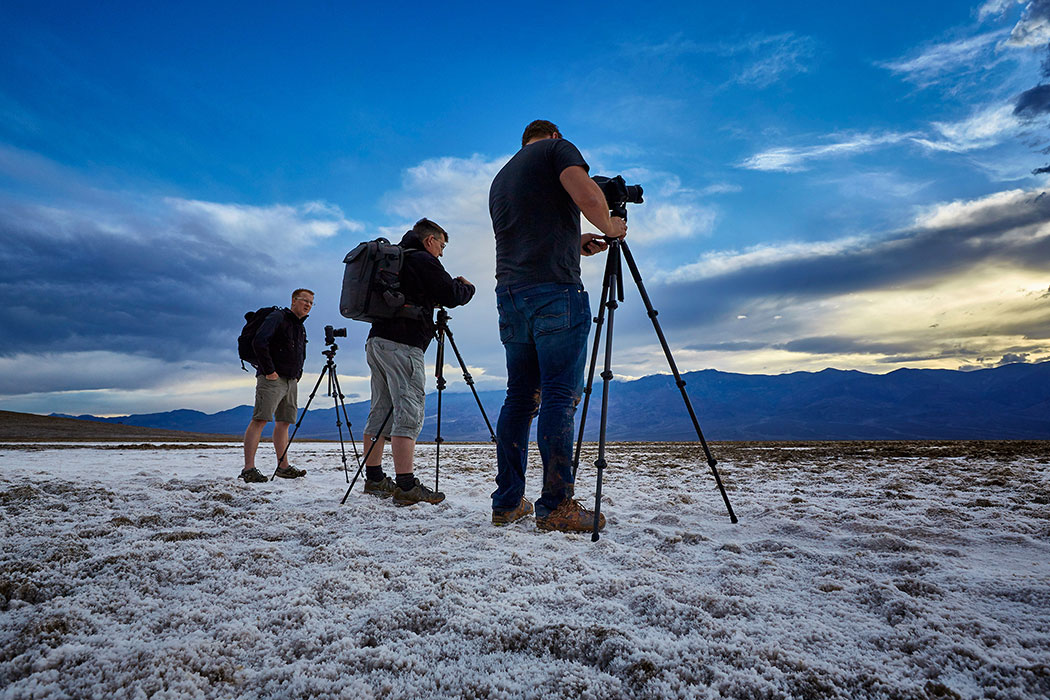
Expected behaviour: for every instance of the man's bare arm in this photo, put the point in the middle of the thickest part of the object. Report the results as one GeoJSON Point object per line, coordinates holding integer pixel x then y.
{"type": "Point", "coordinates": [589, 198]}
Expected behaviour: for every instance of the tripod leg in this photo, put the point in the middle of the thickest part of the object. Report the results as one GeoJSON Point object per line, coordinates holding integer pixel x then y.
{"type": "Point", "coordinates": [439, 375]}
{"type": "Point", "coordinates": [711, 461]}
{"type": "Point", "coordinates": [367, 453]}
{"type": "Point", "coordinates": [598, 320]}
{"type": "Point", "coordinates": [324, 370]}
{"type": "Point", "coordinates": [603, 421]}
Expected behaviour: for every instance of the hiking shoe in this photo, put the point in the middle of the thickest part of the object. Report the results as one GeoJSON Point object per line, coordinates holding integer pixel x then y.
{"type": "Point", "coordinates": [506, 517]}
{"type": "Point", "coordinates": [569, 516]}
{"type": "Point", "coordinates": [417, 493]}
{"type": "Point", "coordinates": [384, 488]}
{"type": "Point", "coordinates": [289, 472]}
{"type": "Point", "coordinates": [252, 476]}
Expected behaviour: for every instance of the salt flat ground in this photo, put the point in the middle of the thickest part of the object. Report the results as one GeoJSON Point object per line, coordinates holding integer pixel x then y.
{"type": "Point", "coordinates": [857, 570]}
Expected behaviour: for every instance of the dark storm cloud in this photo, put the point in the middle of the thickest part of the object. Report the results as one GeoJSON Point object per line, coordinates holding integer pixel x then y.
{"type": "Point", "coordinates": [1033, 103]}
{"type": "Point", "coordinates": [168, 286]}
{"type": "Point", "coordinates": [838, 345]}
{"type": "Point", "coordinates": [1001, 229]}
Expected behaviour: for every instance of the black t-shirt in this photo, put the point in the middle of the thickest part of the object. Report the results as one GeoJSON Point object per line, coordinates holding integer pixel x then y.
{"type": "Point", "coordinates": [537, 225]}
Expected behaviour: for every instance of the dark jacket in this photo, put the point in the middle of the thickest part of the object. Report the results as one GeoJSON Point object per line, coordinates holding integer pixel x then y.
{"type": "Point", "coordinates": [424, 283]}
{"type": "Point", "coordinates": [280, 344]}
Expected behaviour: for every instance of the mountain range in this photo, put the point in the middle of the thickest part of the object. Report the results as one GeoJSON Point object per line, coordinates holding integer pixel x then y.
{"type": "Point", "coordinates": [1007, 402]}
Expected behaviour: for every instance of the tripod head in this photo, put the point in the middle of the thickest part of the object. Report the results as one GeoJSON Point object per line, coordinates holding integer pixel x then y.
{"type": "Point", "coordinates": [442, 317]}
{"type": "Point", "coordinates": [330, 352]}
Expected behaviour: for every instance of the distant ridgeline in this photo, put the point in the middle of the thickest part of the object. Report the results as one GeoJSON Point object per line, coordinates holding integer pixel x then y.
{"type": "Point", "coordinates": [1011, 402]}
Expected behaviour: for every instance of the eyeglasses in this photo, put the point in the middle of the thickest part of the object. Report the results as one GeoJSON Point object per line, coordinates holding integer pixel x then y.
{"type": "Point", "coordinates": [440, 242]}
{"type": "Point", "coordinates": [308, 302]}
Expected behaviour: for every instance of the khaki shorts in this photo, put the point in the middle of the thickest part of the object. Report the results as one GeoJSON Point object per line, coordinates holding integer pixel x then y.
{"type": "Point", "coordinates": [397, 381]}
{"type": "Point", "coordinates": [276, 399]}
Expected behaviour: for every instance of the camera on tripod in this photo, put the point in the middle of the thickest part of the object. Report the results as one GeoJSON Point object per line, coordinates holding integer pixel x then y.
{"type": "Point", "coordinates": [330, 334]}
{"type": "Point", "coordinates": [618, 193]}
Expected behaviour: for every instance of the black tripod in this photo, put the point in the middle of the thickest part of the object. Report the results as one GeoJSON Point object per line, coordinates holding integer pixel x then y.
{"type": "Point", "coordinates": [337, 397]}
{"type": "Point", "coordinates": [441, 332]}
{"type": "Point", "coordinates": [612, 293]}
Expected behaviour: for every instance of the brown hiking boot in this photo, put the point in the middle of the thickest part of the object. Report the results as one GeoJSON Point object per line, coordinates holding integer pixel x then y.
{"type": "Point", "coordinates": [570, 516]}
{"type": "Point", "coordinates": [417, 494]}
{"type": "Point", "coordinates": [506, 517]}
{"type": "Point", "coordinates": [384, 488]}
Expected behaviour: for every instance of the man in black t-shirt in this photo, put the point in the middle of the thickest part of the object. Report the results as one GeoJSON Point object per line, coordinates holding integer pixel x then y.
{"type": "Point", "coordinates": [544, 317]}
{"type": "Point", "coordinates": [395, 350]}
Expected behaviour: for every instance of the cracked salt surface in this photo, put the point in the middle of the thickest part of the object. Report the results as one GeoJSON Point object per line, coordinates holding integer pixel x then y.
{"type": "Point", "coordinates": [857, 570]}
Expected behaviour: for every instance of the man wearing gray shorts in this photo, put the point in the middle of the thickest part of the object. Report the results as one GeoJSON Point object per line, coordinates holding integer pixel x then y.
{"type": "Point", "coordinates": [395, 350]}
{"type": "Point", "coordinates": [280, 346]}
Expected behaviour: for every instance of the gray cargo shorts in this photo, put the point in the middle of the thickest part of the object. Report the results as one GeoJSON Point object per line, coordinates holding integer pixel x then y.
{"type": "Point", "coordinates": [276, 399]}
{"type": "Point", "coordinates": [397, 380]}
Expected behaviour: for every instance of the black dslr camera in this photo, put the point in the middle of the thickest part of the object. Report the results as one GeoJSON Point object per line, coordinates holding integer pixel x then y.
{"type": "Point", "coordinates": [618, 193]}
{"type": "Point", "coordinates": [330, 334]}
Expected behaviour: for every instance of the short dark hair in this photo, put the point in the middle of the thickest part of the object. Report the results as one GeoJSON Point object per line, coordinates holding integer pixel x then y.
{"type": "Point", "coordinates": [425, 227]}
{"type": "Point", "coordinates": [540, 127]}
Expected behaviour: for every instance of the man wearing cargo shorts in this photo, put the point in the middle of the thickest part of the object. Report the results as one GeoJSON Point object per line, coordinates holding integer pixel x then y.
{"type": "Point", "coordinates": [395, 350]}
{"type": "Point", "coordinates": [280, 346]}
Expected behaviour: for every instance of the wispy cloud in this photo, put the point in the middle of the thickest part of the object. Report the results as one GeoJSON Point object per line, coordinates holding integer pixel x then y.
{"type": "Point", "coordinates": [796, 159]}
{"type": "Point", "coordinates": [934, 62]}
{"type": "Point", "coordinates": [759, 60]}
{"type": "Point", "coordinates": [988, 127]}
{"type": "Point", "coordinates": [774, 58]}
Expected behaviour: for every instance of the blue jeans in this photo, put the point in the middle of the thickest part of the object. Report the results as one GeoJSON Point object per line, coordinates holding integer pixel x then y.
{"type": "Point", "coordinates": [544, 330]}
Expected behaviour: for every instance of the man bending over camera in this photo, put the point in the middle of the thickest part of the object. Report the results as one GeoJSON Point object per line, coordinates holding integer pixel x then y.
{"type": "Point", "coordinates": [395, 350]}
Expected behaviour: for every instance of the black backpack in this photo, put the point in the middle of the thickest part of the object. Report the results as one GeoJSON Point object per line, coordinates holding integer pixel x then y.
{"type": "Point", "coordinates": [372, 283]}
{"type": "Point", "coordinates": [253, 321]}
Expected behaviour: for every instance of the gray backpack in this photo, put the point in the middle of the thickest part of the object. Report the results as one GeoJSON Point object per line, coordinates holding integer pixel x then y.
{"type": "Point", "coordinates": [372, 283]}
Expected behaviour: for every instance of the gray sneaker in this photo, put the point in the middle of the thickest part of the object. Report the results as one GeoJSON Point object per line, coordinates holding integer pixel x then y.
{"type": "Point", "coordinates": [416, 494]}
{"type": "Point", "coordinates": [384, 488]}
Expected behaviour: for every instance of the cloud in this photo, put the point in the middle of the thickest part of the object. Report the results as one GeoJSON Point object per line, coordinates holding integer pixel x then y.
{"type": "Point", "coordinates": [1033, 103]}
{"type": "Point", "coordinates": [994, 8]}
{"type": "Point", "coordinates": [986, 128]}
{"type": "Point", "coordinates": [966, 280]}
{"type": "Point", "coordinates": [262, 227]}
{"type": "Point", "coordinates": [1033, 29]}
{"type": "Point", "coordinates": [162, 278]}
{"type": "Point", "coordinates": [759, 60]}
{"type": "Point", "coordinates": [775, 58]}
{"type": "Point", "coordinates": [935, 62]}
{"type": "Point", "coordinates": [721, 188]}
{"type": "Point", "coordinates": [790, 160]}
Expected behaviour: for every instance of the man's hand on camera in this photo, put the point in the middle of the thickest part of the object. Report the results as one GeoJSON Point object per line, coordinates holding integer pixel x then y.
{"type": "Point", "coordinates": [273, 376]}
{"type": "Point", "coordinates": [464, 280]}
{"type": "Point", "coordinates": [591, 243]}
{"type": "Point", "coordinates": [617, 227]}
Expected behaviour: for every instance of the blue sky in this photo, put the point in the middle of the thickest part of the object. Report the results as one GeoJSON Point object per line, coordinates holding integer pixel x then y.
{"type": "Point", "coordinates": [826, 185]}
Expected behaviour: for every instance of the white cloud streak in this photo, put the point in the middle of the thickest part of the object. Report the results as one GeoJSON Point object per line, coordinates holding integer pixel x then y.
{"type": "Point", "coordinates": [791, 160]}
{"type": "Point", "coordinates": [269, 226]}
{"type": "Point", "coordinates": [938, 60]}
